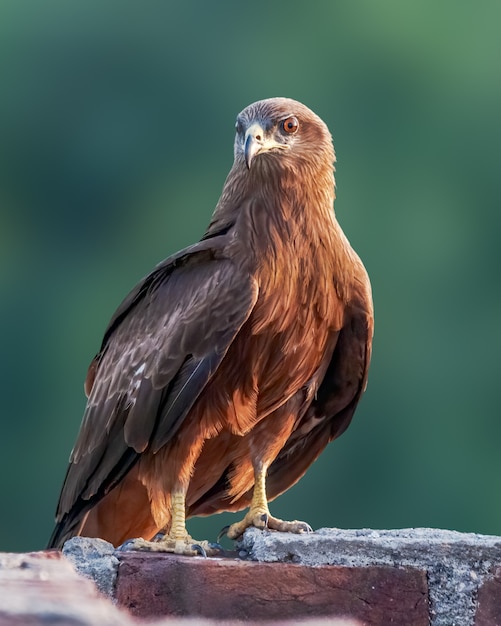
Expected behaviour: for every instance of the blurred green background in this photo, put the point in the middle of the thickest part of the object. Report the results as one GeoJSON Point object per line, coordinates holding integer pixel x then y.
{"type": "Point", "coordinates": [116, 131]}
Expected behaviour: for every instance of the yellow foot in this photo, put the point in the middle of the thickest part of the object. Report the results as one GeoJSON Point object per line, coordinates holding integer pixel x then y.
{"type": "Point", "coordinates": [262, 519]}
{"type": "Point", "coordinates": [185, 546]}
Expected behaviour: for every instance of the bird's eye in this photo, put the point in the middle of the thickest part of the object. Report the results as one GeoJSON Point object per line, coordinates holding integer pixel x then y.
{"type": "Point", "coordinates": [290, 125]}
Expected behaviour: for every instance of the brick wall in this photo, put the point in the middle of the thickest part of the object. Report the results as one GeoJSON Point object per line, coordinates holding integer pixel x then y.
{"type": "Point", "coordinates": [359, 577]}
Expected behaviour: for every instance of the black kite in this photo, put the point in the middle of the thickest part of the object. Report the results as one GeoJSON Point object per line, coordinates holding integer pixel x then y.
{"type": "Point", "coordinates": [227, 370]}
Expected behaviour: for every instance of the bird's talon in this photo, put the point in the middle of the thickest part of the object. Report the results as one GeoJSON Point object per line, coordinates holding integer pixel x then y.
{"type": "Point", "coordinates": [199, 550]}
{"type": "Point", "coordinates": [223, 532]}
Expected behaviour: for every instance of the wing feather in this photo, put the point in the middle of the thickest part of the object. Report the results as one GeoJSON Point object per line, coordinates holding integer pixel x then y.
{"type": "Point", "coordinates": [162, 346]}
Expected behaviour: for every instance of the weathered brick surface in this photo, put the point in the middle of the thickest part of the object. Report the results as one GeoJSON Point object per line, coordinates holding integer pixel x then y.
{"type": "Point", "coordinates": [457, 564]}
{"type": "Point", "coordinates": [157, 585]}
{"type": "Point", "coordinates": [489, 602]}
{"type": "Point", "coordinates": [43, 588]}
{"type": "Point", "coordinates": [348, 577]}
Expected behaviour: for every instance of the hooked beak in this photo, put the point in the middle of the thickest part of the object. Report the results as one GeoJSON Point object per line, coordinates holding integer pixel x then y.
{"type": "Point", "coordinates": [256, 142]}
{"type": "Point", "coordinates": [253, 143]}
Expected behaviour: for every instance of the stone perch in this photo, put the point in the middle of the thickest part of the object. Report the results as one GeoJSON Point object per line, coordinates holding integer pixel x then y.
{"type": "Point", "coordinates": [409, 577]}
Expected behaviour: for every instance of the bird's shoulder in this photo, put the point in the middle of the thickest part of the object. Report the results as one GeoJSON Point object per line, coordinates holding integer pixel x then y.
{"type": "Point", "coordinates": [199, 287]}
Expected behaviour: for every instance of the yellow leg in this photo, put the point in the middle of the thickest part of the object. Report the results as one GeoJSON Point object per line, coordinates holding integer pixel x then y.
{"type": "Point", "coordinates": [258, 514]}
{"type": "Point", "coordinates": [178, 524]}
{"type": "Point", "coordinates": [177, 540]}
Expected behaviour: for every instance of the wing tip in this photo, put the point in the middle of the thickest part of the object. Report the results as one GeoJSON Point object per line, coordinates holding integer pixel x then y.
{"type": "Point", "coordinates": [64, 530]}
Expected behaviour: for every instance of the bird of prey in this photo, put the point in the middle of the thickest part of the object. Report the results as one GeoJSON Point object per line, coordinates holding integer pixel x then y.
{"type": "Point", "coordinates": [227, 370]}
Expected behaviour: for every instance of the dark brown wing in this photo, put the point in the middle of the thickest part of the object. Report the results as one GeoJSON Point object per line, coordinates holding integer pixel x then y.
{"type": "Point", "coordinates": [162, 346]}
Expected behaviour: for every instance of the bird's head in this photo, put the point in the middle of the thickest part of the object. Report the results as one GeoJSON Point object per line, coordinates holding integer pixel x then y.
{"type": "Point", "coordinates": [282, 132]}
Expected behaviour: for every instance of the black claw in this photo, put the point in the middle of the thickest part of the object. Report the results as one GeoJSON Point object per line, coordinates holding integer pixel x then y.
{"type": "Point", "coordinates": [264, 518]}
{"type": "Point", "coordinates": [216, 546]}
{"type": "Point", "coordinates": [223, 532]}
{"type": "Point", "coordinates": [198, 548]}
{"type": "Point", "coordinates": [126, 545]}
{"type": "Point", "coordinates": [158, 537]}
{"type": "Point", "coordinates": [308, 529]}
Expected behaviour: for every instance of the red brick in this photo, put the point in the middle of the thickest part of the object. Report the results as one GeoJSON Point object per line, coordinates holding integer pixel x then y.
{"type": "Point", "coordinates": [153, 585]}
{"type": "Point", "coordinates": [489, 602]}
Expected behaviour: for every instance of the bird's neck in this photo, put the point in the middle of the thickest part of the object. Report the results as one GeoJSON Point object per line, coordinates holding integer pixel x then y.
{"type": "Point", "coordinates": [256, 203]}
{"type": "Point", "coordinates": [285, 229]}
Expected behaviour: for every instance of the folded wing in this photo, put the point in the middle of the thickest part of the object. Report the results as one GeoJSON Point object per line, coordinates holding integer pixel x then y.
{"type": "Point", "coordinates": [162, 346]}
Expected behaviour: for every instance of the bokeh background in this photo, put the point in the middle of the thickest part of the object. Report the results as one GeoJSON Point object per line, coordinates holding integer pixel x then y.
{"type": "Point", "coordinates": [116, 131]}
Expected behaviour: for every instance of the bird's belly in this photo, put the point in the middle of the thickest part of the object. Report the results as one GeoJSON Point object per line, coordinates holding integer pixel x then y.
{"type": "Point", "coordinates": [261, 372]}
{"type": "Point", "coordinates": [257, 393]}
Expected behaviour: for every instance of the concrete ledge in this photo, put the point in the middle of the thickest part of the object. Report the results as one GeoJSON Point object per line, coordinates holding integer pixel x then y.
{"type": "Point", "coordinates": [360, 577]}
